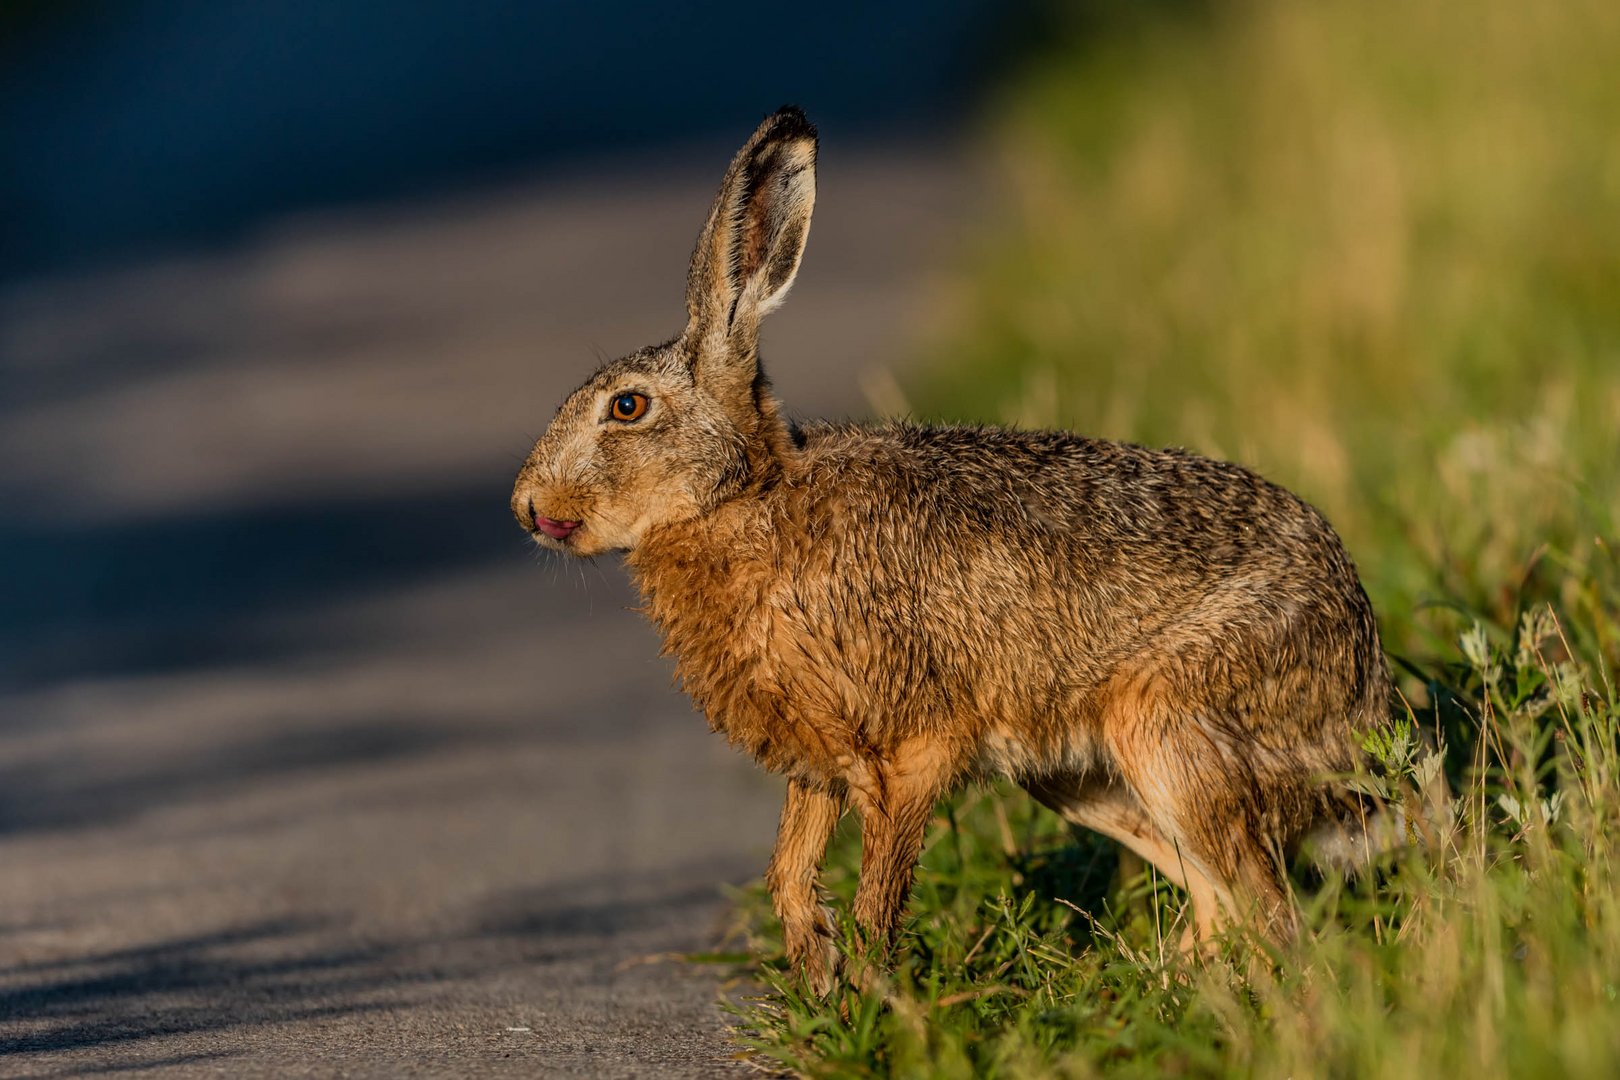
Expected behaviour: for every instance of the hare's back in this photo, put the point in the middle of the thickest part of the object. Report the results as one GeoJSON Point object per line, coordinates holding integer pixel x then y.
{"type": "Point", "coordinates": [1098, 551]}
{"type": "Point", "coordinates": [1098, 500]}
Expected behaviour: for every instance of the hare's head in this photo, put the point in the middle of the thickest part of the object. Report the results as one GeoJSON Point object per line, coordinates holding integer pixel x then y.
{"type": "Point", "coordinates": [667, 433]}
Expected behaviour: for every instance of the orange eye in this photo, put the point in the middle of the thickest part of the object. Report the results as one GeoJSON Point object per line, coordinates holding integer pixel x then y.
{"type": "Point", "coordinates": [628, 407]}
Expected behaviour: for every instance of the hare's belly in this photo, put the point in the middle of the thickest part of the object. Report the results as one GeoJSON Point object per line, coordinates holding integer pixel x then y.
{"type": "Point", "coordinates": [1018, 755]}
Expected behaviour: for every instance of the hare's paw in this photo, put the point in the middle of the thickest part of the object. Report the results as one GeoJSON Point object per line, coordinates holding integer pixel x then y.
{"type": "Point", "coordinates": [816, 955]}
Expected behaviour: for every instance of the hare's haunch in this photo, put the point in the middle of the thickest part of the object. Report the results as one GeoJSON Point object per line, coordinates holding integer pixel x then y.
{"type": "Point", "coordinates": [1160, 647]}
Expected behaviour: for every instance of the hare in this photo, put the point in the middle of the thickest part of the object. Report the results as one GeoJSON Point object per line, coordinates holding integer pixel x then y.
{"type": "Point", "coordinates": [1160, 647]}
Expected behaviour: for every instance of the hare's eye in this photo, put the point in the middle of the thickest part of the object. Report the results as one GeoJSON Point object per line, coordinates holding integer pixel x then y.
{"type": "Point", "coordinates": [628, 407]}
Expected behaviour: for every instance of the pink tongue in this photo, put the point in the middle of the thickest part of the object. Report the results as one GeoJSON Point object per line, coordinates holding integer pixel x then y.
{"type": "Point", "coordinates": [557, 530]}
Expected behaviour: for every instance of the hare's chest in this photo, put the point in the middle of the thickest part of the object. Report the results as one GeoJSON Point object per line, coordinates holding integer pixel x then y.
{"type": "Point", "coordinates": [754, 650]}
{"type": "Point", "coordinates": [769, 708]}
{"type": "Point", "coordinates": [769, 685]}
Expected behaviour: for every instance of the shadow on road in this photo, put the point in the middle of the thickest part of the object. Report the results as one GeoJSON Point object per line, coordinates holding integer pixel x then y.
{"type": "Point", "coordinates": [68, 792]}
{"type": "Point", "coordinates": [183, 985]}
{"type": "Point", "coordinates": [205, 588]}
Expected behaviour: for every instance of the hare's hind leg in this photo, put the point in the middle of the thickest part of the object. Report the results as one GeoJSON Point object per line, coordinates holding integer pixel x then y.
{"type": "Point", "coordinates": [1234, 874]}
{"type": "Point", "coordinates": [808, 819]}
{"type": "Point", "coordinates": [1112, 810]}
{"type": "Point", "coordinates": [1208, 807]}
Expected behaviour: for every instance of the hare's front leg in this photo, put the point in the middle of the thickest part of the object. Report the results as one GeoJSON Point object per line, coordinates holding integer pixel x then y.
{"type": "Point", "coordinates": [808, 819]}
{"type": "Point", "coordinates": [894, 812]}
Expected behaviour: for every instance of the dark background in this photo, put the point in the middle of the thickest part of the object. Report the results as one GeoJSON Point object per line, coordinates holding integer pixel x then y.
{"type": "Point", "coordinates": [172, 122]}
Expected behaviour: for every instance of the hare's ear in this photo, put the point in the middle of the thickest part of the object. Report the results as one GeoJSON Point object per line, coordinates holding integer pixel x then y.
{"type": "Point", "coordinates": [749, 249]}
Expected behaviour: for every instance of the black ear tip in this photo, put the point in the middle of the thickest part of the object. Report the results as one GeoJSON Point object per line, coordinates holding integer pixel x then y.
{"type": "Point", "coordinates": [789, 122]}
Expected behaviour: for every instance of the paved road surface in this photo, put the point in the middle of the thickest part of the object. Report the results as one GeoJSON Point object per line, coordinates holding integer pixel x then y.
{"type": "Point", "coordinates": [309, 765]}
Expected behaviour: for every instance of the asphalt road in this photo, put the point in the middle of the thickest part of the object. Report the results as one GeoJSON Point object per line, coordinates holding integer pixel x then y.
{"type": "Point", "coordinates": [309, 764]}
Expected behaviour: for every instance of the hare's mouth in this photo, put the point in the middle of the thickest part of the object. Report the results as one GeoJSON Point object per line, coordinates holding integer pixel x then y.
{"type": "Point", "coordinates": [557, 530]}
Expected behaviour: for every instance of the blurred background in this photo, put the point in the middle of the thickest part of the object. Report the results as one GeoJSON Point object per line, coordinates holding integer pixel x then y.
{"type": "Point", "coordinates": [160, 123]}
{"type": "Point", "coordinates": [305, 754]}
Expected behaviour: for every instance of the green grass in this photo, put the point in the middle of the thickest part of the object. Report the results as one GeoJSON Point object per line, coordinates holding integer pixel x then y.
{"type": "Point", "coordinates": [1372, 249]}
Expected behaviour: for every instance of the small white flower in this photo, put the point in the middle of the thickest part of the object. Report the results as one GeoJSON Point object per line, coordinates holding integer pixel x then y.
{"type": "Point", "coordinates": [1476, 646]}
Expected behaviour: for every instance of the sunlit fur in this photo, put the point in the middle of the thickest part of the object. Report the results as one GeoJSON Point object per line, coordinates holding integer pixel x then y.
{"type": "Point", "coordinates": [1160, 647]}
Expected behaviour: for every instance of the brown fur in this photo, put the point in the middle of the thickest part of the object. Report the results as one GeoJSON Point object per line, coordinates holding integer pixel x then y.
{"type": "Point", "coordinates": [1161, 647]}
